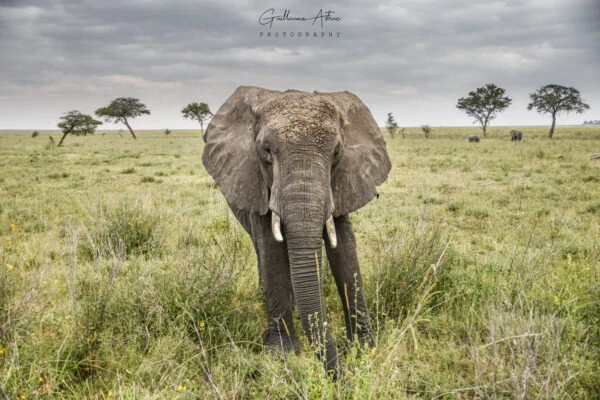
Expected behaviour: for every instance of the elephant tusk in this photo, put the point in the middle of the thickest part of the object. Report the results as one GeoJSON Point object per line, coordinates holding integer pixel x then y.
{"type": "Point", "coordinates": [330, 226]}
{"type": "Point", "coordinates": [276, 227]}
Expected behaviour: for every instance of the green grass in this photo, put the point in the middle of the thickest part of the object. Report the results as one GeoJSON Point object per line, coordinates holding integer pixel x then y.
{"type": "Point", "coordinates": [124, 275]}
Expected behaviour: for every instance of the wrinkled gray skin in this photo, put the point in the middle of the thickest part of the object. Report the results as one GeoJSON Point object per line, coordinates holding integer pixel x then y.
{"type": "Point", "coordinates": [516, 135]}
{"type": "Point", "coordinates": [474, 139]}
{"type": "Point", "coordinates": [303, 157]}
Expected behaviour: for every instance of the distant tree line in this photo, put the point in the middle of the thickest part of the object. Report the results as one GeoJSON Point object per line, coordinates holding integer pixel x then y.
{"type": "Point", "coordinates": [594, 122]}
{"type": "Point", "coordinates": [484, 103]}
{"type": "Point", "coordinates": [121, 109]}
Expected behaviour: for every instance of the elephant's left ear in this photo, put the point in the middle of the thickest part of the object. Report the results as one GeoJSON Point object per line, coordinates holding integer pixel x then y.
{"type": "Point", "coordinates": [365, 163]}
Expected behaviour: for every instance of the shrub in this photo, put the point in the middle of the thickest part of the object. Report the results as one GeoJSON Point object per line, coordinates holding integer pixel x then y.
{"type": "Point", "coordinates": [477, 213]}
{"type": "Point", "coordinates": [122, 230]}
{"type": "Point", "coordinates": [130, 170]}
{"type": "Point", "coordinates": [426, 130]}
{"type": "Point", "coordinates": [593, 208]}
{"type": "Point", "coordinates": [391, 125]}
{"type": "Point", "coordinates": [454, 206]}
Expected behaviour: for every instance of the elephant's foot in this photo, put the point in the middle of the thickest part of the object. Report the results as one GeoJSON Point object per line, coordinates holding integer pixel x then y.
{"type": "Point", "coordinates": [281, 342]}
{"type": "Point", "coordinates": [362, 341]}
{"type": "Point", "coordinates": [329, 356]}
{"type": "Point", "coordinates": [365, 338]}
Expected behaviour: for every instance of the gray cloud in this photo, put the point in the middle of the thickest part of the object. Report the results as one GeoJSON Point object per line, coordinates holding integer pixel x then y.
{"type": "Point", "coordinates": [414, 58]}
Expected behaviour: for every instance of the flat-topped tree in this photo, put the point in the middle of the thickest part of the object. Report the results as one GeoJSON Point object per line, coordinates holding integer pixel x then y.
{"type": "Point", "coordinates": [552, 99]}
{"type": "Point", "coordinates": [122, 109]}
{"type": "Point", "coordinates": [77, 124]}
{"type": "Point", "coordinates": [198, 112]}
{"type": "Point", "coordinates": [484, 103]}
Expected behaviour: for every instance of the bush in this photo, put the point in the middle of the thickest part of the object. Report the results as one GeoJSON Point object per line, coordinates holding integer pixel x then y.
{"type": "Point", "coordinates": [426, 130]}
{"type": "Point", "coordinates": [120, 231]}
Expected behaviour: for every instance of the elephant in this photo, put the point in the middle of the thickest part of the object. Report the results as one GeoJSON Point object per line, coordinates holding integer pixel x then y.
{"type": "Point", "coordinates": [516, 135]}
{"type": "Point", "coordinates": [292, 165]}
{"type": "Point", "coordinates": [474, 139]}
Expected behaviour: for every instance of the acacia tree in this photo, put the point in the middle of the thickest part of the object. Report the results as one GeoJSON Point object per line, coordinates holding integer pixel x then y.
{"type": "Point", "coordinates": [552, 99]}
{"type": "Point", "coordinates": [77, 124]}
{"type": "Point", "coordinates": [121, 109]}
{"type": "Point", "coordinates": [484, 103]}
{"type": "Point", "coordinates": [391, 125]}
{"type": "Point", "coordinates": [198, 112]}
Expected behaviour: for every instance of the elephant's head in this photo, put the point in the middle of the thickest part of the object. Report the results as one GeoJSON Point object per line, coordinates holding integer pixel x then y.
{"type": "Point", "coordinates": [270, 151]}
{"type": "Point", "coordinates": [304, 158]}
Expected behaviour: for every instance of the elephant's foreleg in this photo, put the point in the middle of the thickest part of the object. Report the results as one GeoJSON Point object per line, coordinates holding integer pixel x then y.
{"type": "Point", "coordinates": [344, 266]}
{"type": "Point", "coordinates": [273, 266]}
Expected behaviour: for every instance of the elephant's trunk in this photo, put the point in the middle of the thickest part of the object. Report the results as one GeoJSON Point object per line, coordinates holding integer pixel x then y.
{"type": "Point", "coordinates": [306, 272]}
{"type": "Point", "coordinates": [305, 206]}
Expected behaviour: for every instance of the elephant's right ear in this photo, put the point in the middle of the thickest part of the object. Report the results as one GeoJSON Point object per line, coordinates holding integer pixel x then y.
{"type": "Point", "coordinates": [230, 154]}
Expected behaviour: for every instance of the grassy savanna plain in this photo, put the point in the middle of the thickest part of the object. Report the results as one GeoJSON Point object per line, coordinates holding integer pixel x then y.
{"type": "Point", "coordinates": [123, 274]}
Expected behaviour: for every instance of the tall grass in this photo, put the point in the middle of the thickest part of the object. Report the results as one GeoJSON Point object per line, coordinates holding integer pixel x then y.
{"type": "Point", "coordinates": [481, 266]}
{"type": "Point", "coordinates": [125, 229]}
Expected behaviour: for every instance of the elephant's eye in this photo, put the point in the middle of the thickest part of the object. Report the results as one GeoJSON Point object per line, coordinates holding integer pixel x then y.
{"type": "Point", "coordinates": [337, 153]}
{"type": "Point", "coordinates": [268, 154]}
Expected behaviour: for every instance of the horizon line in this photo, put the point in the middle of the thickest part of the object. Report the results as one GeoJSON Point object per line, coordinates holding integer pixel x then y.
{"type": "Point", "coordinates": [382, 127]}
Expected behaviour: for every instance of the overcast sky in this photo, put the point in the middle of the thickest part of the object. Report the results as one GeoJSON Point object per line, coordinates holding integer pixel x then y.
{"type": "Point", "coordinates": [414, 58]}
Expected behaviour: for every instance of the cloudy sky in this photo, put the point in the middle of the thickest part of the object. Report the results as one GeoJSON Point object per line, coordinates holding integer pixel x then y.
{"type": "Point", "coordinates": [414, 58]}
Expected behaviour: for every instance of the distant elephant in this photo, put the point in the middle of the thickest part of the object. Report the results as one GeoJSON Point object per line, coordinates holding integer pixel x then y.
{"type": "Point", "coordinates": [516, 135]}
{"type": "Point", "coordinates": [292, 165]}
{"type": "Point", "coordinates": [474, 139]}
